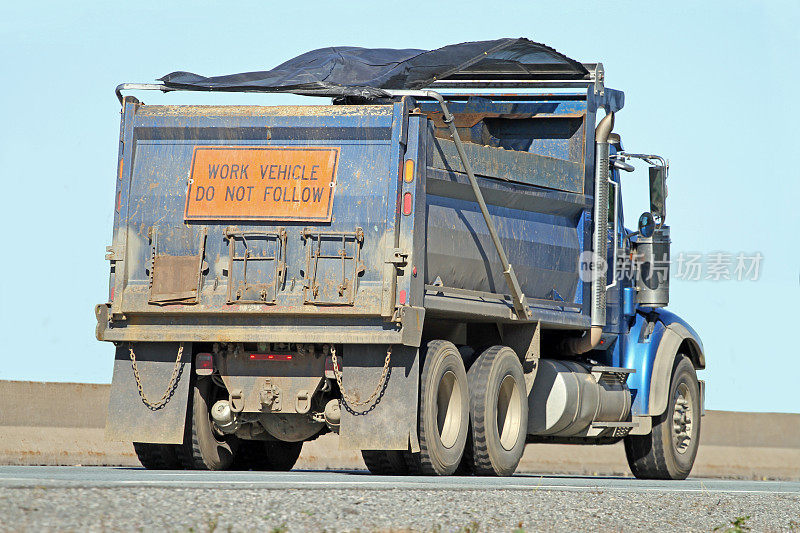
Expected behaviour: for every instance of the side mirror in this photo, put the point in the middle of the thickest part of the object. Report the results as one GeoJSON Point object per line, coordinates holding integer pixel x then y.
{"type": "Point", "coordinates": [647, 225]}
{"type": "Point", "coordinates": [658, 193]}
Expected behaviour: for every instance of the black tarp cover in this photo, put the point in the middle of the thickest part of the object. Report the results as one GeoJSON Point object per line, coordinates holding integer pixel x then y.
{"type": "Point", "coordinates": [353, 71]}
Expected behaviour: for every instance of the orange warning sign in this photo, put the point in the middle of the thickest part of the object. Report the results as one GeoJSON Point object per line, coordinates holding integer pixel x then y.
{"type": "Point", "coordinates": [262, 183]}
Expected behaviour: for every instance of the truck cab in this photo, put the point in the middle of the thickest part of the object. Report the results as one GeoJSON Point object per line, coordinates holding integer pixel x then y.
{"type": "Point", "coordinates": [435, 267]}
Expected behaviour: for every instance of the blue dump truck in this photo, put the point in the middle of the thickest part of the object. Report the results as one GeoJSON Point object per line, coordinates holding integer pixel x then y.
{"type": "Point", "coordinates": [435, 267]}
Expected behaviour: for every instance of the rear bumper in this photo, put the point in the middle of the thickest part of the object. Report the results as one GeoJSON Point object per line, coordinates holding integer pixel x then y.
{"type": "Point", "coordinates": [248, 328]}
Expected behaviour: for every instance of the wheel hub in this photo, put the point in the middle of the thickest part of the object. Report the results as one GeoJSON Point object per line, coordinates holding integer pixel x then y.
{"type": "Point", "coordinates": [509, 413]}
{"type": "Point", "coordinates": [682, 419]}
{"type": "Point", "coordinates": [449, 409]}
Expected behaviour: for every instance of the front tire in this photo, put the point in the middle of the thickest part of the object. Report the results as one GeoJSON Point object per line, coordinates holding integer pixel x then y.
{"type": "Point", "coordinates": [498, 413]}
{"type": "Point", "coordinates": [669, 451]}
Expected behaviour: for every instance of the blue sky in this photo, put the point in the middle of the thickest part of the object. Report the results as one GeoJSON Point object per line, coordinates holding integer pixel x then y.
{"type": "Point", "coordinates": [710, 85]}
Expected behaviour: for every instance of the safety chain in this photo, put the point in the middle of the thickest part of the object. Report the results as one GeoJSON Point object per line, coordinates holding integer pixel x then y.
{"type": "Point", "coordinates": [349, 399]}
{"type": "Point", "coordinates": [155, 406]}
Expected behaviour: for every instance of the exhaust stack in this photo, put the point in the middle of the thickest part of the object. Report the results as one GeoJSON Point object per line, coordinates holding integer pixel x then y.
{"type": "Point", "coordinates": [599, 241]}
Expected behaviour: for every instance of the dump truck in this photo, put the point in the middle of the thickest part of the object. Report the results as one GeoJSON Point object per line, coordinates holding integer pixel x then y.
{"type": "Point", "coordinates": [433, 265]}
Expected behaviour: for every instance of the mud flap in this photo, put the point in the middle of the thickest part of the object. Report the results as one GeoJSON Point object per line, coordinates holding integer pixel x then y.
{"type": "Point", "coordinates": [129, 419]}
{"type": "Point", "coordinates": [390, 422]}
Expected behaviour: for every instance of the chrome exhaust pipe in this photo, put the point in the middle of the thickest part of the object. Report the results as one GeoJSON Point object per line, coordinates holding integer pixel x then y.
{"type": "Point", "coordinates": [599, 241]}
{"type": "Point", "coordinates": [600, 238]}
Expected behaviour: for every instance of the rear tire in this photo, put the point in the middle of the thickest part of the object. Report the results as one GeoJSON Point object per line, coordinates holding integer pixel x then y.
{"type": "Point", "coordinates": [443, 418]}
{"type": "Point", "coordinates": [498, 413]}
{"type": "Point", "coordinates": [157, 456]}
{"type": "Point", "coordinates": [269, 456]}
{"type": "Point", "coordinates": [385, 462]}
{"type": "Point", "coordinates": [203, 448]}
{"type": "Point", "coordinates": [669, 451]}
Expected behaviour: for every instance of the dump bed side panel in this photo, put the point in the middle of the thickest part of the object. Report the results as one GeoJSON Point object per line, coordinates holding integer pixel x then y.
{"type": "Point", "coordinates": [532, 169]}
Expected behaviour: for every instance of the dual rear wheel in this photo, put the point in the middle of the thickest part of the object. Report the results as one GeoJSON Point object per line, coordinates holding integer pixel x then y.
{"type": "Point", "coordinates": [468, 422]}
{"type": "Point", "coordinates": [499, 413]}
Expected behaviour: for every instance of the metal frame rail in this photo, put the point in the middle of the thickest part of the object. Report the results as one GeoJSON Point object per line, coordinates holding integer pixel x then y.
{"type": "Point", "coordinates": [596, 77]}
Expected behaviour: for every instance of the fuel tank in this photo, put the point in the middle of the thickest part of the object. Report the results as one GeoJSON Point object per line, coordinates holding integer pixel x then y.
{"type": "Point", "coordinates": [567, 397]}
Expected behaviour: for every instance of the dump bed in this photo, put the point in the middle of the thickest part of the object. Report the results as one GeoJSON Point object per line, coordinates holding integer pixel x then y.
{"type": "Point", "coordinates": [343, 223]}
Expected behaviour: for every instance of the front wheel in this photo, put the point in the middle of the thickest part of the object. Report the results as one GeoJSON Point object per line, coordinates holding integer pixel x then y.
{"type": "Point", "coordinates": [668, 452]}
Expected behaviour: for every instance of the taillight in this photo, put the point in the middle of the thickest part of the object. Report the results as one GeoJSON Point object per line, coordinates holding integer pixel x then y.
{"type": "Point", "coordinates": [408, 202]}
{"type": "Point", "coordinates": [270, 357]}
{"type": "Point", "coordinates": [403, 297]}
{"type": "Point", "coordinates": [329, 367]}
{"type": "Point", "coordinates": [204, 364]}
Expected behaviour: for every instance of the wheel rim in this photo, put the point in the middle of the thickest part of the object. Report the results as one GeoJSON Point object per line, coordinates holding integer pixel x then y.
{"type": "Point", "coordinates": [509, 412]}
{"type": "Point", "coordinates": [448, 409]}
{"type": "Point", "coordinates": [682, 422]}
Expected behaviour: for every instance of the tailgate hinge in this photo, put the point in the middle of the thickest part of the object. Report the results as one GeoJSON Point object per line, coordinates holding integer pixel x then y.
{"type": "Point", "coordinates": [397, 257]}
{"type": "Point", "coordinates": [113, 253]}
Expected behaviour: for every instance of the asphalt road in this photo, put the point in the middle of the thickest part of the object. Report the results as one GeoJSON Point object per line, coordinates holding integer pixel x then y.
{"type": "Point", "coordinates": [103, 499]}
{"type": "Point", "coordinates": [110, 477]}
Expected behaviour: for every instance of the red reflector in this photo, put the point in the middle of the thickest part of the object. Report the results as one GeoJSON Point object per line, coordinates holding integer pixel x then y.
{"type": "Point", "coordinates": [270, 357]}
{"type": "Point", "coordinates": [403, 297]}
{"type": "Point", "coordinates": [111, 299]}
{"type": "Point", "coordinates": [408, 202]}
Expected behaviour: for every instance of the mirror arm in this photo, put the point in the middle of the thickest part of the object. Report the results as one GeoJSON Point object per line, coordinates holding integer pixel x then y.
{"type": "Point", "coordinates": [622, 165]}
{"type": "Point", "coordinates": [655, 161]}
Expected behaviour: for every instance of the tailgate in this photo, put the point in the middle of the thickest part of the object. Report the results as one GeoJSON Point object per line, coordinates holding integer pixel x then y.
{"type": "Point", "coordinates": [257, 210]}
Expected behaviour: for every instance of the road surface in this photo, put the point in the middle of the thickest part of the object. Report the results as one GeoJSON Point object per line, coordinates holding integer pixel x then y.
{"type": "Point", "coordinates": [113, 477]}
{"type": "Point", "coordinates": [100, 498]}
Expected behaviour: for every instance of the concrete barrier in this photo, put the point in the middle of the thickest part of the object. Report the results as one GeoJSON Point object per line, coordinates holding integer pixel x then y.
{"type": "Point", "coordinates": [62, 424]}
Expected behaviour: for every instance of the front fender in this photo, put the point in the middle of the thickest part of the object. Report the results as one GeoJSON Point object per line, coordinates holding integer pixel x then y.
{"type": "Point", "coordinates": [650, 347]}
{"type": "Point", "coordinates": [693, 345]}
